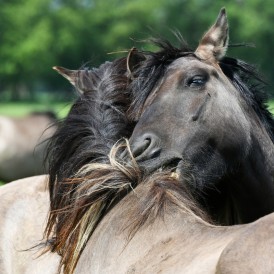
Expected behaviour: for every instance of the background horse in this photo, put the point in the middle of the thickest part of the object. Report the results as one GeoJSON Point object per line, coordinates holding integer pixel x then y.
{"type": "Point", "coordinates": [204, 115]}
{"type": "Point", "coordinates": [23, 143]}
{"type": "Point", "coordinates": [23, 214]}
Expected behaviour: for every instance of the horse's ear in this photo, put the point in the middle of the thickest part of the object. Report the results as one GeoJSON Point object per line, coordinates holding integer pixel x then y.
{"type": "Point", "coordinates": [134, 60]}
{"type": "Point", "coordinates": [214, 43]}
{"type": "Point", "coordinates": [72, 76]}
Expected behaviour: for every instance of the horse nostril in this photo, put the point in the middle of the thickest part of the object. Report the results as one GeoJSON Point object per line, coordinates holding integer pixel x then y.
{"type": "Point", "coordinates": [140, 147]}
{"type": "Point", "coordinates": [146, 147]}
{"type": "Point", "coordinates": [155, 153]}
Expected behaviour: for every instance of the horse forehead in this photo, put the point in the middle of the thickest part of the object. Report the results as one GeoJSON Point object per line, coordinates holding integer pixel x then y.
{"type": "Point", "coordinates": [184, 64]}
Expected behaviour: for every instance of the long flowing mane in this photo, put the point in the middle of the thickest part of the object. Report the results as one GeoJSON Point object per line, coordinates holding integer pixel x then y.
{"type": "Point", "coordinates": [244, 77]}
{"type": "Point", "coordinates": [95, 123]}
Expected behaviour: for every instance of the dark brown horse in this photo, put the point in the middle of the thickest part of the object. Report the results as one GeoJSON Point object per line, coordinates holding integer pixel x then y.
{"type": "Point", "coordinates": [204, 115]}
{"type": "Point", "coordinates": [23, 143]}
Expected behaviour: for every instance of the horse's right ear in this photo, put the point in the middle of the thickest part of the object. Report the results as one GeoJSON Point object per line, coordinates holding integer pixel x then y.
{"type": "Point", "coordinates": [214, 43]}
{"type": "Point", "coordinates": [134, 61]}
{"type": "Point", "coordinates": [73, 76]}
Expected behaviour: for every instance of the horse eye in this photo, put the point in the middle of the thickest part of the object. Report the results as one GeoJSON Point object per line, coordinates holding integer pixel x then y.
{"type": "Point", "coordinates": [196, 81]}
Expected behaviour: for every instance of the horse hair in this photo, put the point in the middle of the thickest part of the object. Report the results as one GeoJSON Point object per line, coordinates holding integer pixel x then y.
{"type": "Point", "coordinates": [94, 124]}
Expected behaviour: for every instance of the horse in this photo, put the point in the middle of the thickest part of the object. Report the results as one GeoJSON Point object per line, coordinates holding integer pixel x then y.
{"type": "Point", "coordinates": [151, 230]}
{"type": "Point", "coordinates": [204, 115]}
{"type": "Point", "coordinates": [130, 98]}
{"type": "Point", "coordinates": [23, 215]}
{"type": "Point", "coordinates": [108, 214]}
{"type": "Point", "coordinates": [23, 143]}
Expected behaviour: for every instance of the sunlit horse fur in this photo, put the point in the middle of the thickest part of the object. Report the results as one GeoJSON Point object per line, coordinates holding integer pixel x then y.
{"type": "Point", "coordinates": [23, 215]}
{"type": "Point", "coordinates": [23, 143]}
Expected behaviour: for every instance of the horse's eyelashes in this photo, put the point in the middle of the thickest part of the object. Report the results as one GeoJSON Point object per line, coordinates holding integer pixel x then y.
{"type": "Point", "coordinates": [197, 81]}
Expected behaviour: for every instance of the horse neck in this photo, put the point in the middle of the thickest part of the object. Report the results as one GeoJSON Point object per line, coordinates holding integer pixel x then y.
{"type": "Point", "coordinates": [251, 187]}
{"type": "Point", "coordinates": [117, 232]}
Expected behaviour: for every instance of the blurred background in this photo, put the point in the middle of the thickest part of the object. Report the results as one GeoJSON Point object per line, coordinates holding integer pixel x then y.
{"type": "Point", "coordinates": [38, 34]}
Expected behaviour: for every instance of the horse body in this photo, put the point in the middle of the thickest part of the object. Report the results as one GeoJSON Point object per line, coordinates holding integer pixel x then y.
{"type": "Point", "coordinates": [23, 215]}
{"type": "Point", "coordinates": [23, 145]}
{"type": "Point", "coordinates": [176, 241]}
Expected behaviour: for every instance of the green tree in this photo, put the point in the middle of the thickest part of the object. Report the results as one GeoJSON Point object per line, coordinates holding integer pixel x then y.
{"type": "Point", "coordinates": [38, 34]}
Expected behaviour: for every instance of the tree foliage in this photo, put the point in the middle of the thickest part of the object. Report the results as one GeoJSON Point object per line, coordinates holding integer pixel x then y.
{"type": "Point", "coordinates": [38, 34]}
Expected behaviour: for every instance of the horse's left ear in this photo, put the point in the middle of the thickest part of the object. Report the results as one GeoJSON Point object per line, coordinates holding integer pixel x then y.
{"type": "Point", "coordinates": [70, 75]}
{"type": "Point", "coordinates": [134, 60]}
{"type": "Point", "coordinates": [75, 77]}
{"type": "Point", "coordinates": [214, 43]}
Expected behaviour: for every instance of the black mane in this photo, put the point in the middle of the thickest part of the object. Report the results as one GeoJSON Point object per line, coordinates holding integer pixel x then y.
{"type": "Point", "coordinates": [95, 122]}
{"type": "Point", "coordinates": [243, 76]}
{"type": "Point", "coordinates": [252, 88]}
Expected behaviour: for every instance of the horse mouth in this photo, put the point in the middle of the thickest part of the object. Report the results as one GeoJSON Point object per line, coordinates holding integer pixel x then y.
{"type": "Point", "coordinates": [171, 165]}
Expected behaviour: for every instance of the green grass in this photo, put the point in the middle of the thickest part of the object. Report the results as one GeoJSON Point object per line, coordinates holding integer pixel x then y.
{"type": "Point", "coordinates": [17, 109]}
{"type": "Point", "coordinates": [271, 106]}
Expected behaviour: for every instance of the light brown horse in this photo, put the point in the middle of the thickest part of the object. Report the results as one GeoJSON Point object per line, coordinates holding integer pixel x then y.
{"type": "Point", "coordinates": [172, 238]}
{"type": "Point", "coordinates": [23, 213]}
{"type": "Point", "coordinates": [23, 144]}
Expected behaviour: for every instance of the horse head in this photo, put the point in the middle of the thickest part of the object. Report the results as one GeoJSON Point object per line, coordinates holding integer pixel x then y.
{"type": "Point", "coordinates": [197, 115]}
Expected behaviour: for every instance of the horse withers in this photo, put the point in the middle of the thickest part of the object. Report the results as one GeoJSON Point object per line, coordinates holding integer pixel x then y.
{"type": "Point", "coordinates": [203, 115]}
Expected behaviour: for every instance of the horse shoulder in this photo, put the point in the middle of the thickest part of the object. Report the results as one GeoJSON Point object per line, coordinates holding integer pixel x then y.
{"type": "Point", "coordinates": [251, 251]}
{"type": "Point", "coordinates": [23, 213]}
